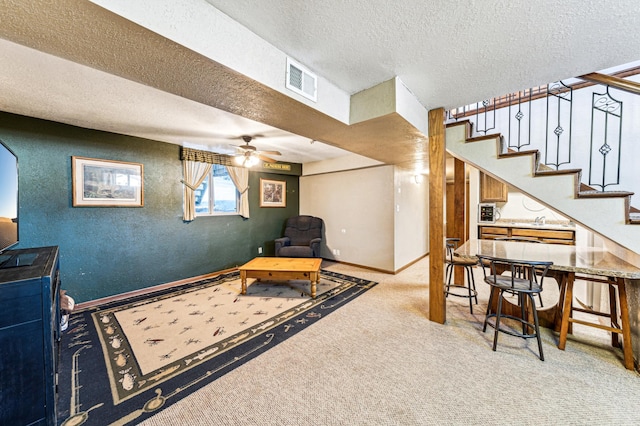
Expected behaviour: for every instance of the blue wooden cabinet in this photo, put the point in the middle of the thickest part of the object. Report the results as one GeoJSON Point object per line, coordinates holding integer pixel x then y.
{"type": "Point", "coordinates": [29, 335]}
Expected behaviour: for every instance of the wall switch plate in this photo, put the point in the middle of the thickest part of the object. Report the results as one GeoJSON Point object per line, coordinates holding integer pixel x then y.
{"type": "Point", "coordinates": [259, 250]}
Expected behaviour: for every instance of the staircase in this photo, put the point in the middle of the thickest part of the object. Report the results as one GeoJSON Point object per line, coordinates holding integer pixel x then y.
{"type": "Point", "coordinates": [606, 213]}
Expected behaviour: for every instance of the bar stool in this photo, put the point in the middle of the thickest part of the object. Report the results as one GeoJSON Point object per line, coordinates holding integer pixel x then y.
{"type": "Point", "coordinates": [615, 328]}
{"type": "Point", "coordinates": [525, 281]}
{"type": "Point", "coordinates": [452, 260]}
{"type": "Point", "coordinates": [524, 240]}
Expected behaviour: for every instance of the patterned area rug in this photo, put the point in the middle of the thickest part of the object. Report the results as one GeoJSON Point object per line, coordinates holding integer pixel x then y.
{"type": "Point", "coordinates": [121, 362]}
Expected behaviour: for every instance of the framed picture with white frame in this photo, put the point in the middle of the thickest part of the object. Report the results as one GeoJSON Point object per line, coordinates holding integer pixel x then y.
{"type": "Point", "coordinates": [106, 183]}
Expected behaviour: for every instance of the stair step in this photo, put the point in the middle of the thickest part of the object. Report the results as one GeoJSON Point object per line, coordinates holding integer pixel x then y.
{"type": "Point", "coordinates": [484, 137]}
{"type": "Point", "coordinates": [468, 127]}
{"type": "Point", "coordinates": [543, 167]}
{"type": "Point", "coordinates": [586, 188]}
{"type": "Point", "coordinates": [548, 171]}
{"type": "Point", "coordinates": [604, 194]}
{"type": "Point", "coordinates": [518, 153]}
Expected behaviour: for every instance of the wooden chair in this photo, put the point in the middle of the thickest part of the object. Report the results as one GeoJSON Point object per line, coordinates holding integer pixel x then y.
{"type": "Point", "coordinates": [525, 281]}
{"type": "Point", "coordinates": [614, 327]}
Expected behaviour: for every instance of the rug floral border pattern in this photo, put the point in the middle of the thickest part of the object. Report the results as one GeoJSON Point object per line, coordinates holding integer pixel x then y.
{"type": "Point", "coordinates": [125, 375]}
{"type": "Point", "coordinates": [127, 386]}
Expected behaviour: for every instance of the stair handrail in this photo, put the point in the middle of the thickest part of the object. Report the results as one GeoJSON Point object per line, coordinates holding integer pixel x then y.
{"type": "Point", "coordinates": [615, 79]}
{"type": "Point", "coordinates": [612, 81]}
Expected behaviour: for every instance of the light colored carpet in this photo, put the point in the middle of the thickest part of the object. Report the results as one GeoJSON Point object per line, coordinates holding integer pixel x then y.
{"type": "Point", "coordinates": [379, 361]}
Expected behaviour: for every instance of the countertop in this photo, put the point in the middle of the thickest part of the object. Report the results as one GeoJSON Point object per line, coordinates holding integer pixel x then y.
{"type": "Point", "coordinates": [586, 260]}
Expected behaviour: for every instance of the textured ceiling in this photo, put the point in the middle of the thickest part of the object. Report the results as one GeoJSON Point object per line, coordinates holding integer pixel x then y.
{"type": "Point", "coordinates": [75, 62]}
{"type": "Point", "coordinates": [448, 53]}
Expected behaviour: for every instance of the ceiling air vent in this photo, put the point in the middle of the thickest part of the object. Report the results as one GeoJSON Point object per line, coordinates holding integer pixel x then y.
{"type": "Point", "coordinates": [301, 80]}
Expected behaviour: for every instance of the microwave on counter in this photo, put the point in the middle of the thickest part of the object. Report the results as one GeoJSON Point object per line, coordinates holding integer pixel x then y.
{"type": "Point", "coordinates": [487, 213]}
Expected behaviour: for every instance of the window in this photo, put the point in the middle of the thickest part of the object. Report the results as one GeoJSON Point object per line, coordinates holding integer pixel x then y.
{"type": "Point", "coordinates": [217, 194]}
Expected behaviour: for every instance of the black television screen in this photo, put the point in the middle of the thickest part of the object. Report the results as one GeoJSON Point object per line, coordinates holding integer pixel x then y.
{"type": "Point", "coordinates": [8, 198]}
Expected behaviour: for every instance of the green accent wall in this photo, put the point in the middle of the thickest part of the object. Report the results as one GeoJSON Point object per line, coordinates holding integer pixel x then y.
{"type": "Point", "coordinates": [110, 250]}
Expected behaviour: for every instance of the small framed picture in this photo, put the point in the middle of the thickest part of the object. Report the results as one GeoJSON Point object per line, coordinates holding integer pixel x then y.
{"type": "Point", "coordinates": [106, 183]}
{"type": "Point", "coordinates": [273, 193]}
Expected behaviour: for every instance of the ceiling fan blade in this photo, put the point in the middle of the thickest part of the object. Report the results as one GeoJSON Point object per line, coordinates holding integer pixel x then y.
{"type": "Point", "coordinates": [270, 152]}
{"type": "Point", "coordinates": [267, 159]}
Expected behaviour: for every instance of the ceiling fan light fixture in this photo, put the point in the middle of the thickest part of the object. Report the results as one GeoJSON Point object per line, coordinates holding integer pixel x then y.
{"type": "Point", "coordinates": [251, 161]}
{"type": "Point", "coordinates": [249, 156]}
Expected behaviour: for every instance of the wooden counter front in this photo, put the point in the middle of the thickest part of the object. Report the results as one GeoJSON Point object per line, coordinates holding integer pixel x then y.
{"type": "Point", "coordinates": [553, 236]}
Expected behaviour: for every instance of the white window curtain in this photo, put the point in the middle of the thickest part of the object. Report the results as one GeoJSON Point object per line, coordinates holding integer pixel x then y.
{"type": "Point", "coordinates": [193, 172]}
{"type": "Point", "coordinates": [240, 178]}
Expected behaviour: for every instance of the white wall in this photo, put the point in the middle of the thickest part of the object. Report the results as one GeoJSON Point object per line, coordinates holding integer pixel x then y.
{"type": "Point", "coordinates": [411, 218]}
{"type": "Point", "coordinates": [375, 217]}
{"type": "Point", "coordinates": [518, 207]}
{"type": "Point", "coordinates": [522, 207]}
{"type": "Point", "coordinates": [357, 207]}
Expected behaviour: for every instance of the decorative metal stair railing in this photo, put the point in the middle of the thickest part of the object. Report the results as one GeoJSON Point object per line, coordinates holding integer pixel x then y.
{"type": "Point", "coordinates": [575, 124]}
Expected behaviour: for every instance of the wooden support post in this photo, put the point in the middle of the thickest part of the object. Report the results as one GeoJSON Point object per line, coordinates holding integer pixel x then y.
{"type": "Point", "coordinates": [459, 210]}
{"type": "Point", "coordinates": [437, 188]}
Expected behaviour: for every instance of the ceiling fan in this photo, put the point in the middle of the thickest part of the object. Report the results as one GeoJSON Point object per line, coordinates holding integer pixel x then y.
{"type": "Point", "coordinates": [248, 155]}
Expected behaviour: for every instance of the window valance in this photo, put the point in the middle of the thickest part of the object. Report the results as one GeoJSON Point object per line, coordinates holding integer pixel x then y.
{"type": "Point", "coordinates": [191, 154]}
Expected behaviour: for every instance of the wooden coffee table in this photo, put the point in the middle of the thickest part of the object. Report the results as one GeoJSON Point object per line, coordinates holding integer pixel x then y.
{"type": "Point", "coordinates": [282, 268]}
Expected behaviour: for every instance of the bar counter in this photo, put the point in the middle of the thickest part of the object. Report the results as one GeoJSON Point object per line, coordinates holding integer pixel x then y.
{"type": "Point", "coordinates": [576, 259]}
{"type": "Point", "coordinates": [593, 263]}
